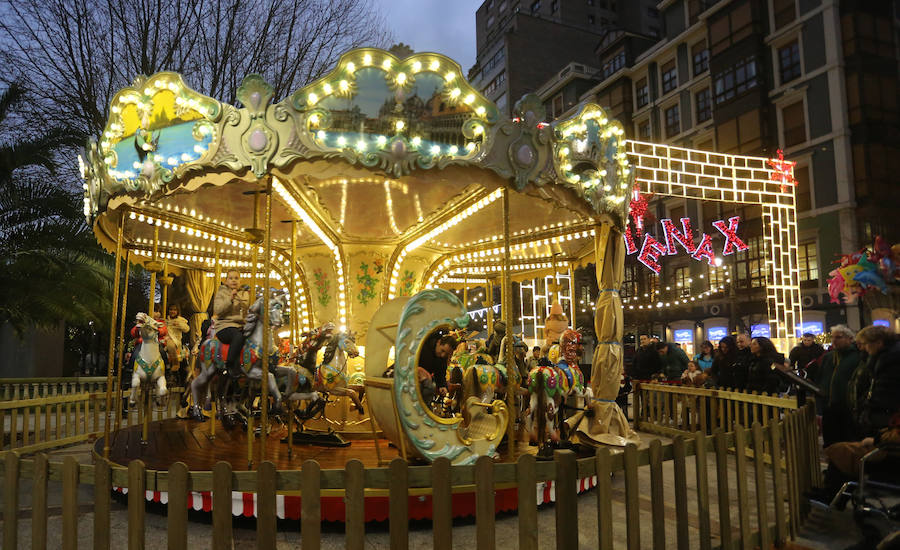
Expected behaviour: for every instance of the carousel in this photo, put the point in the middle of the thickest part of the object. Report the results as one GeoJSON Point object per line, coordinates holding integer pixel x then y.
{"type": "Point", "coordinates": [339, 227]}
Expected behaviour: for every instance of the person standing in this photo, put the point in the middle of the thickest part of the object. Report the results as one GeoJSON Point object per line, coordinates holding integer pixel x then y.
{"type": "Point", "coordinates": [704, 359]}
{"type": "Point", "coordinates": [804, 353]}
{"type": "Point", "coordinates": [646, 361]}
{"type": "Point", "coordinates": [726, 370]}
{"type": "Point", "coordinates": [881, 400]}
{"type": "Point", "coordinates": [761, 377]}
{"type": "Point", "coordinates": [177, 327]}
{"type": "Point", "coordinates": [833, 378]}
{"type": "Point", "coordinates": [673, 359]}
{"type": "Point", "coordinates": [535, 357]}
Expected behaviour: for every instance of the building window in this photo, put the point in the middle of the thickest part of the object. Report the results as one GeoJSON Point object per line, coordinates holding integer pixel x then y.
{"type": "Point", "coordinates": [794, 124]}
{"type": "Point", "coordinates": [557, 105]}
{"type": "Point", "coordinates": [535, 7]}
{"type": "Point", "coordinates": [490, 21]}
{"type": "Point", "coordinates": [701, 58]}
{"type": "Point", "coordinates": [644, 130]}
{"type": "Point", "coordinates": [808, 261]}
{"type": "Point", "coordinates": [590, 19]}
{"type": "Point", "coordinates": [642, 92]}
{"type": "Point", "coordinates": [615, 63]}
{"type": "Point", "coordinates": [682, 284]}
{"type": "Point", "coordinates": [789, 61]}
{"type": "Point", "coordinates": [750, 266]}
{"type": "Point", "coordinates": [554, 6]}
{"type": "Point", "coordinates": [736, 80]}
{"type": "Point", "coordinates": [669, 77]}
{"type": "Point", "coordinates": [801, 188]}
{"type": "Point", "coordinates": [630, 286]}
{"type": "Point", "coordinates": [492, 64]}
{"type": "Point", "coordinates": [502, 7]}
{"type": "Point", "coordinates": [495, 84]}
{"type": "Point", "coordinates": [783, 11]}
{"type": "Point", "coordinates": [704, 105]}
{"type": "Point", "coordinates": [673, 121]}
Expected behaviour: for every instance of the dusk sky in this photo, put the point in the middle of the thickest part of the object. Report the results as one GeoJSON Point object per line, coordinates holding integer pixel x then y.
{"type": "Point", "coordinates": [442, 26]}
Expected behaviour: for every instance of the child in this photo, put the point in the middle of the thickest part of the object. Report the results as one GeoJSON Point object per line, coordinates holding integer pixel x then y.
{"type": "Point", "coordinates": [693, 376]}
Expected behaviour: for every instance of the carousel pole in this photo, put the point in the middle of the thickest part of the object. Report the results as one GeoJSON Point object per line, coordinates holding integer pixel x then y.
{"type": "Point", "coordinates": [572, 294]}
{"type": "Point", "coordinates": [466, 290]}
{"type": "Point", "coordinates": [112, 335]}
{"type": "Point", "coordinates": [295, 329]}
{"type": "Point", "coordinates": [254, 256]}
{"type": "Point", "coordinates": [164, 283]}
{"type": "Point", "coordinates": [489, 304]}
{"type": "Point", "coordinates": [213, 404]}
{"type": "Point", "coordinates": [145, 396]}
{"type": "Point", "coordinates": [512, 386]}
{"type": "Point", "coordinates": [120, 359]}
{"type": "Point", "coordinates": [267, 338]}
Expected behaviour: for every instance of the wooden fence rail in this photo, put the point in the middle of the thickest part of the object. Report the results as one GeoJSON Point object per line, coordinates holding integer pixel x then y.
{"type": "Point", "coordinates": [669, 410]}
{"type": "Point", "coordinates": [31, 425]}
{"type": "Point", "coordinates": [763, 517]}
{"type": "Point", "coordinates": [33, 388]}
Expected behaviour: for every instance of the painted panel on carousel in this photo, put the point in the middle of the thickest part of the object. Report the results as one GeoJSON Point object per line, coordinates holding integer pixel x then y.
{"type": "Point", "coordinates": [426, 317]}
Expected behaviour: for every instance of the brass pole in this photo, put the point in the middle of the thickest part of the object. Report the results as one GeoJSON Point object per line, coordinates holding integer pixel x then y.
{"type": "Point", "coordinates": [165, 290]}
{"type": "Point", "coordinates": [153, 271]}
{"type": "Point", "coordinates": [572, 295]}
{"type": "Point", "coordinates": [466, 290]}
{"type": "Point", "coordinates": [507, 307]}
{"type": "Point", "coordinates": [489, 304]}
{"type": "Point", "coordinates": [254, 256]}
{"type": "Point", "coordinates": [295, 302]}
{"type": "Point", "coordinates": [112, 335]}
{"type": "Point", "coordinates": [120, 359]}
{"type": "Point", "coordinates": [213, 407]}
{"type": "Point", "coordinates": [267, 337]}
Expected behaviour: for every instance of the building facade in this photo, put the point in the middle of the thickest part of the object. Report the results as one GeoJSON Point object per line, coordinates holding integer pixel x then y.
{"type": "Point", "coordinates": [815, 79]}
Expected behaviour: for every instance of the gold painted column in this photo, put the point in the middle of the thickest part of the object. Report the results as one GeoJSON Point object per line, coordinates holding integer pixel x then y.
{"type": "Point", "coordinates": [608, 424]}
{"type": "Point", "coordinates": [112, 334]}
{"type": "Point", "coordinates": [506, 307]}
{"type": "Point", "coordinates": [267, 340]}
{"type": "Point", "coordinates": [121, 356]}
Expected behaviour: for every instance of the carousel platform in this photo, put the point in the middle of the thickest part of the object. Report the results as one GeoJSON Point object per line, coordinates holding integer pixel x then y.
{"type": "Point", "coordinates": [189, 441]}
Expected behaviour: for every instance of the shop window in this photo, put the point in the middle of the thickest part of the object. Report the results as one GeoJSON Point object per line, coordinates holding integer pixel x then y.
{"type": "Point", "coordinates": [704, 105]}
{"type": "Point", "coordinates": [682, 286]}
{"type": "Point", "coordinates": [808, 261]}
{"type": "Point", "coordinates": [673, 121]}
{"type": "Point", "coordinates": [669, 77]}
{"type": "Point", "coordinates": [783, 11]}
{"type": "Point", "coordinates": [642, 92]}
{"type": "Point", "coordinates": [700, 55]}
{"type": "Point", "coordinates": [794, 124]}
{"type": "Point", "coordinates": [801, 188]}
{"type": "Point", "coordinates": [789, 61]}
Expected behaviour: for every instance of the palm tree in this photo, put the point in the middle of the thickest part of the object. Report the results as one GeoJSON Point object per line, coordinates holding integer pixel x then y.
{"type": "Point", "coordinates": [52, 271]}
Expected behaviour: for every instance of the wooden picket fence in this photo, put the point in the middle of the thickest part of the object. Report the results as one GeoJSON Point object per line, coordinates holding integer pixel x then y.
{"type": "Point", "coordinates": [669, 410]}
{"type": "Point", "coordinates": [34, 424]}
{"type": "Point", "coordinates": [33, 388]}
{"type": "Point", "coordinates": [767, 515]}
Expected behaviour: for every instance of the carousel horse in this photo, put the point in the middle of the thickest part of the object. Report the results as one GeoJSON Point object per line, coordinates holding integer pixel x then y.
{"type": "Point", "coordinates": [299, 379]}
{"type": "Point", "coordinates": [572, 346]}
{"type": "Point", "coordinates": [149, 363]}
{"type": "Point", "coordinates": [213, 354]}
{"type": "Point", "coordinates": [331, 377]}
{"type": "Point", "coordinates": [547, 395]}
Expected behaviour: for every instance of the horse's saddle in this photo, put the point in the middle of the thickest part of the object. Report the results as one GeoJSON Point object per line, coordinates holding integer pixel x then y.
{"type": "Point", "coordinates": [215, 351]}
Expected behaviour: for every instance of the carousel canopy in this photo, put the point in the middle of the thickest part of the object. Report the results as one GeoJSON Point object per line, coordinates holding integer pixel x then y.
{"type": "Point", "coordinates": [392, 171]}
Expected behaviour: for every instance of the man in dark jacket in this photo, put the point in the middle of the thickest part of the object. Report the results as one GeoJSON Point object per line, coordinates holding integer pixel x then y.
{"type": "Point", "coordinates": [674, 360]}
{"type": "Point", "coordinates": [646, 360]}
{"type": "Point", "coordinates": [807, 351]}
{"type": "Point", "coordinates": [884, 368]}
{"type": "Point", "coordinates": [833, 378]}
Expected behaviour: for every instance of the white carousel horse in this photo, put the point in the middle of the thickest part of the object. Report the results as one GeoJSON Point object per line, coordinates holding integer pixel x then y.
{"type": "Point", "coordinates": [213, 354]}
{"type": "Point", "coordinates": [331, 376]}
{"type": "Point", "coordinates": [149, 365]}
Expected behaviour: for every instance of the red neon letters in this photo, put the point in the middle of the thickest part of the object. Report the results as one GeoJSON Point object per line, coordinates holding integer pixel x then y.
{"type": "Point", "coordinates": [651, 249]}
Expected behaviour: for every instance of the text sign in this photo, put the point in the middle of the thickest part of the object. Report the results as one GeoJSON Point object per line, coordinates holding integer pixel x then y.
{"type": "Point", "coordinates": [673, 238]}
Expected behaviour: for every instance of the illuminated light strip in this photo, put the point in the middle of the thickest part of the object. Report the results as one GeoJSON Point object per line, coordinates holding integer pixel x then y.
{"type": "Point", "coordinates": [390, 208]}
{"type": "Point", "coordinates": [318, 232]}
{"type": "Point", "coordinates": [454, 280]}
{"type": "Point", "coordinates": [482, 203]}
{"type": "Point", "coordinates": [495, 238]}
{"type": "Point", "coordinates": [680, 301]}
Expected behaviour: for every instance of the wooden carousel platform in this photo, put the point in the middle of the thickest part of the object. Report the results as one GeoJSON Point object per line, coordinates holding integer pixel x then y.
{"type": "Point", "coordinates": [189, 441]}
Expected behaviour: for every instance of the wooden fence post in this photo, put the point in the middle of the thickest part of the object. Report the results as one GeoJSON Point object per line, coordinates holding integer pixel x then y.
{"type": "Point", "coordinates": [442, 504]}
{"type": "Point", "coordinates": [354, 494]}
{"type": "Point", "coordinates": [657, 496]}
{"type": "Point", "coordinates": [526, 477]}
{"type": "Point", "coordinates": [762, 512]}
{"type": "Point", "coordinates": [137, 502]}
{"type": "Point", "coordinates": [311, 505]}
{"type": "Point", "coordinates": [39, 502]}
{"type": "Point", "coordinates": [566, 499]}
{"type": "Point", "coordinates": [11, 500]}
{"type": "Point", "coordinates": [702, 490]}
{"type": "Point", "coordinates": [632, 494]}
{"type": "Point", "coordinates": [679, 467]}
{"type": "Point", "coordinates": [221, 513]}
{"type": "Point", "coordinates": [398, 492]}
{"type": "Point", "coordinates": [484, 504]}
{"type": "Point", "coordinates": [777, 483]}
{"type": "Point", "coordinates": [266, 519]}
{"type": "Point", "coordinates": [70, 503]}
{"type": "Point", "coordinates": [722, 495]}
{"type": "Point", "coordinates": [176, 510]}
{"type": "Point", "coordinates": [102, 489]}
{"type": "Point", "coordinates": [604, 499]}
{"type": "Point", "coordinates": [740, 458]}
